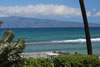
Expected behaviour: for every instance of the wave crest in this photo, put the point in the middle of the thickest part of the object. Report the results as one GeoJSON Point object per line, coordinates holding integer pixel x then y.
{"type": "Point", "coordinates": [80, 40]}
{"type": "Point", "coordinates": [77, 40]}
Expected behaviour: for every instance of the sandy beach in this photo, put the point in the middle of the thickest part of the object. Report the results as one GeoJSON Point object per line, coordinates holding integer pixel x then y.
{"type": "Point", "coordinates": [45, 54]}
{"type": "Point", "coordinates": [39, 54]}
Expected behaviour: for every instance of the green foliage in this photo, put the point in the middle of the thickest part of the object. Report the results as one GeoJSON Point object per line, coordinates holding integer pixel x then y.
{"type": "Point", "coordinates": [76, 60]}
{"type": "Point", "coordinates": [44, 62]}
{"type": "Point", "coordinates": [8, 36]}
{"type": "Point", "coordinates": [10, 52]}
{"type": "Point", "coordinates": [34, 62]}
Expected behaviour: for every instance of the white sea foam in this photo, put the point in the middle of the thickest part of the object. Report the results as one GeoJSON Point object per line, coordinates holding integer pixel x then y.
{"type": "Point", "coordinates": [80, 40]}
{"type": "Point", "coordinates": [77, 40]}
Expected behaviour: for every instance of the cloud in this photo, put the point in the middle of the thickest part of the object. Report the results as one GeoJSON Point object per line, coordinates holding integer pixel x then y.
{"type": "Point", "coordinates": [94, 9]}
{"type": "Point", "coordinates": [97, 14]}
{"type": "Point", "coordinates": [89, 13]}
{"type": "Point", "coordinates": [41, 10]}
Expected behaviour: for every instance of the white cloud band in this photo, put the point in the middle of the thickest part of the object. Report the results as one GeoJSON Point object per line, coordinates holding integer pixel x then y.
{"type": "Point", "coordinates": [97, 14]}
{"type": "Point", "coordinates": [41, 10]}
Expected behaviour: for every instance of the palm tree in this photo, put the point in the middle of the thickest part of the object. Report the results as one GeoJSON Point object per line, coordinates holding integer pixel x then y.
{"type": "Point", "coordinates": [87, 33]}
{"type": "Point", "coordinates": [10, 52]}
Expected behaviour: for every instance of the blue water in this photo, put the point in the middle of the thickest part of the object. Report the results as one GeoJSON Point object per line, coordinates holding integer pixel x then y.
{"type": "Point", "coordinates": [56, 39]}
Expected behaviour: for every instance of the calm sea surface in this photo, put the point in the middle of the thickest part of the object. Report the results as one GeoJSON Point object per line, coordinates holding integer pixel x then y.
{"type": "Point", "coordinates": [56, 39]}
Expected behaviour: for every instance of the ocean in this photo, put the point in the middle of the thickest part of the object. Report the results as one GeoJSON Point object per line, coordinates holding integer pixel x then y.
{"type": "Point", "coordinates": [56, 39]}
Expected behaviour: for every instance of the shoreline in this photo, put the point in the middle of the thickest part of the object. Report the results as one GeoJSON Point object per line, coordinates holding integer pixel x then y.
{"type": "Point", "coordinates": [43, 54]}
{"type": "Point", "coordinates": [48, 54]}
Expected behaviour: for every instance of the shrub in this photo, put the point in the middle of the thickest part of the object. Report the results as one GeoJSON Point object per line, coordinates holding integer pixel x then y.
{"type": "Point", "coordinates": [76, 60]}
{"type": "Point", "coordinates": [34, 62]}
{"type": "Point", "coordinates": [44, 62]}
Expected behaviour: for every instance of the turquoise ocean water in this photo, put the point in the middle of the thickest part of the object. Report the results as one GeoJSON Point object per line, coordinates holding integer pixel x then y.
{"type": "Point", "coordinates": [56, 39]}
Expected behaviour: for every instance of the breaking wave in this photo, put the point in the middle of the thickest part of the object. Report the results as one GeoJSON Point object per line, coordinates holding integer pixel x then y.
{"type": "Point", "coordinates": [80, 40]}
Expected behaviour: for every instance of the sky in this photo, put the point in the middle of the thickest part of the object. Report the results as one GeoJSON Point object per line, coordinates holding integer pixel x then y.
{"type": "Point", "coordinates": [66, 10]}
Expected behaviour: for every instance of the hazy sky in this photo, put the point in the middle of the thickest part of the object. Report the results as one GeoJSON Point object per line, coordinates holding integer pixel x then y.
{"type": "Point", "coordinates": [68, 10]}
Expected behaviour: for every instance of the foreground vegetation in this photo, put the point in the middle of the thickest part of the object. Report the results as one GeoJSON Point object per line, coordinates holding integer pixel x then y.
{"type": "Point", "coordinates": [73, 60]}
{"type": "Point", "coordinates": [76, 60]}
{"type": "Point", "coordinates": [34, 62]}
{"type": "Point", "coordinates": [10, 52]}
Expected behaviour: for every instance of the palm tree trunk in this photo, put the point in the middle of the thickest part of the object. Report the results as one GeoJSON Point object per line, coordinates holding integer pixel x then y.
{"type": "Point", "coordinates": [87, 33]}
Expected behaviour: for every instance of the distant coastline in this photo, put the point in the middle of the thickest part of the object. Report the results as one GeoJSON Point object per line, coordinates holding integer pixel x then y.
{"type": "Point", "coordinates": [47, 27]}
{"type": "Point", "coordinates": [23, 22]}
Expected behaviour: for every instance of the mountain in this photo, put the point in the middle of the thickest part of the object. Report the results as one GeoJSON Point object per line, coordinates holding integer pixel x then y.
{"type": "Point", "coordinates": [23, 22]}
